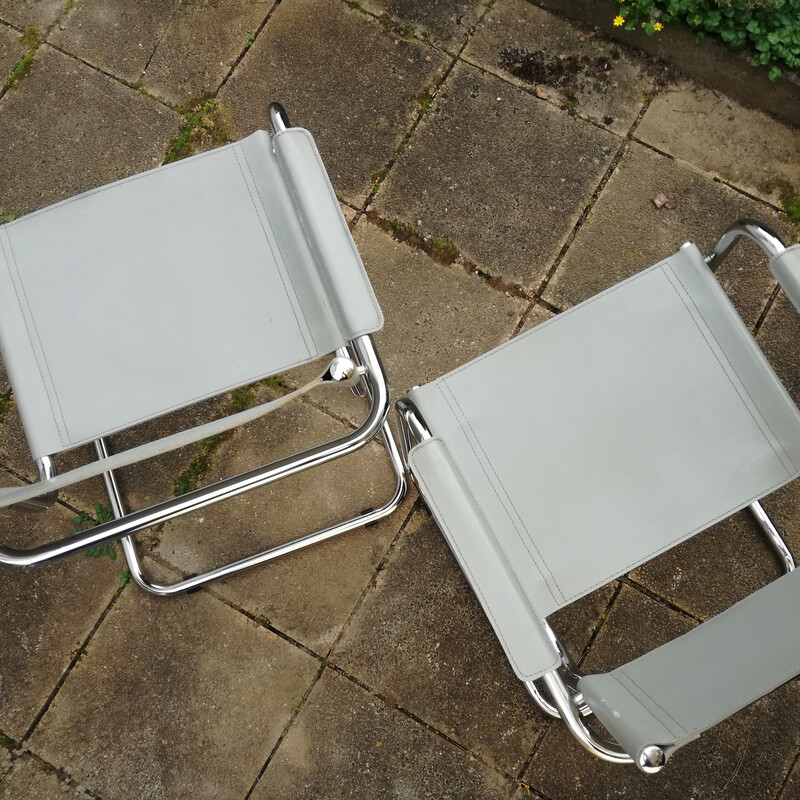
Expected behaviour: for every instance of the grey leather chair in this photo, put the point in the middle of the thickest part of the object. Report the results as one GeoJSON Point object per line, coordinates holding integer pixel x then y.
{"type": "Point", "coordinates": [243, 252]}
{"type": "Point", "coordinates": [662, 418]}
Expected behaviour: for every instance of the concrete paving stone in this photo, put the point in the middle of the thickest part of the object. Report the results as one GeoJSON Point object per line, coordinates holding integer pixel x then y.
{"type": "Point", "coordinates": [739, 144]}
{"type": "Point", "coordinates": [467, 175]}
{"type": "Point", "coordinates": [346, 743]}
{"type": "Point", "coordinates": [11, 51]}
{"type": "Point", "coordinates": [201, 45]}
{"type": "Point", "coordinates": [421, 638]}
{"type": "Point", "coordinates": [436, 317]}
{"type": "Point", "coordinates": [538, 315]}
{"type": "Point", "coordinates": [66, 128]}
{"type": "Point", "coordinates": [449, 22]}
{"type": "Point", "coordinates": [358, 107]}
{"type": "Point", "coordinates": [713, 570]}
{"type": "Point", "coordinates": [308, 595]}
{"type": "Point", "coordinates": [791, 791]}
{"type": "Point", "coordinates": [174, 698]}
{"type": "Point", "coordinates": [745, 757]}
{"type": "Point", "coordinates": [46, 612]}
{"type": "Point", "coordinates": [625, 232]}
{"type": "Point", "coordinates": [30, 13]}
{"type": "Point", "coordinates": [117, 36]}
{"type": "Point", "coordinates": [29, 781]}
{"type": "Point", "coordinates": [568, 64]}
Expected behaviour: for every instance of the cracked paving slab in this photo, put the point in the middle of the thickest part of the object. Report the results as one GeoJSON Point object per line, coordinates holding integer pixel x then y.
{"type": "Point", "coordinates": [201, 45]}
{"type": "Point", "coordinates": [598, 78]}
{"type": "Point", "coordinates": [624, 232]}
{"type": "Point", "coordinates": [66, 128]}
{"type": "Point", "coordinates": [46, 613]}
{"type": "Point", "coordinates": [749, 149]}
{"type": "Point", "coordinates": [358, 107]}
{"type": "Point", "coordinates": [177, 698]}
{"type": "Point", "coordinates": [117, 36]}
{"type": "Point", "coordinates": [347, 743]}
{"type": "Point", "coordinates": [498, 173]}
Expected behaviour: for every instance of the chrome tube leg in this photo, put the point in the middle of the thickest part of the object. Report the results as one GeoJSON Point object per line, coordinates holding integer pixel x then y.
{"type": "Point", "coordinates": [773, 536]}
{"type": "Point", "coordinates": [46, 468]}
{"type": "Point", "coordinates": [766, 239]}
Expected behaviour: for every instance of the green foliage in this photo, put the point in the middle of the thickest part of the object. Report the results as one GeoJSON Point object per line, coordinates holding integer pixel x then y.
{"type": "Point", "coordinates": [30, 38]}
{"type": "Point", "coordinates": [771, 28]}
{"type": "Point", "coordinates": [7, 741]}
{"type": "Point", "coordinates": [124, 578]}
{"type": "Point", "coordinates": [207, 126]}
{"type": "Point", "coordinates": [6, 217]}
{"type": "Point", "coordinates": [84, 521]}
{"type": "Point", "coordinates": [21, 70]}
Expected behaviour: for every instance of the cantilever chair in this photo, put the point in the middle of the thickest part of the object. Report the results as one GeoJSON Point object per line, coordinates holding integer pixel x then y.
{"type": "Point", "coordinates": [242, 251]}
{"type": "Point", "coordinates": [660, 416]}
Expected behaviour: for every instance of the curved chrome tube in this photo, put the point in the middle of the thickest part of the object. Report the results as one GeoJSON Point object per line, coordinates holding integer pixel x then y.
{"type": "Point", "coordinates": [766, 239]}
{"type": "Point", "coordinates": [568, 711]}
{"type": "Point", "coordinates": [278, 118]}
{"type": "Point", "coordinates": [773, 535]}
{"type": "Point", "coordinates": [229, 487]}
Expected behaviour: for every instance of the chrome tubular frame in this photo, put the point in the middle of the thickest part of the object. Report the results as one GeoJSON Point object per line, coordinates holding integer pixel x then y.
{"type": "Point", "coordinates": [556, 692]}
{"type": "Point", "coordinates": [772, 245]}
{"type": "Point", "coordinates": [766, 239]}
{"type": "Point", "coordinates": [560, 684]}
{"type": "Point", "coordinates": [126, 525]}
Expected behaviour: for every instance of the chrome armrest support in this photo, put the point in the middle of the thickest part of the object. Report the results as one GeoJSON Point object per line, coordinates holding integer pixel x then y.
{"type": "Point", "coordinates": [230, 487]}
{"type": "Point", "coordinates": [766, 239]}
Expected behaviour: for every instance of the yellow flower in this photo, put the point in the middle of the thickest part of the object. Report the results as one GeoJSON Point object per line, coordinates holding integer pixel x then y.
{"type": "Point", "coordinates": [618, 20]}
{"type": "Point", "coordinates": [658, 26]}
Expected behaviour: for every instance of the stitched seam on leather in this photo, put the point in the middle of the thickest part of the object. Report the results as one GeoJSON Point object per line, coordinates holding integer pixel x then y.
{"type": "Point", "coordinates": [349, 238]}
{"type": "Point", "coordinates": [677, 724]}
{"type": "Point", "coordinates": [441, 519]}
{"type": "Point", "coordinates": [568, 599]}
{"type": "Point", "coordinates": [51, 395]}
{"type": "Point", "coordinates": [503, 503]}
{"type": "Point", "coordinates": [563, 315]}
{"type": "Point", "coordinates": [237, 151]}
{"type": "Point", "coordinates": [737, 389]}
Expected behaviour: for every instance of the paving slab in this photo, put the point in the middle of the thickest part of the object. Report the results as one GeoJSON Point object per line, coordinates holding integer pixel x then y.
{"type": "Point", "coordinates": [437, 317]}
{"type": "Point", "coordinates": [713, 570]}
{"type": "Point", "coordinates": [421, 638]}
{"type": "Point", "coordinates": [66, 128]}
{"type": "Point", "coordinates": [358, 106]}
{"type": "Point", "coordinates": [741, 145]}
{"type": "Point", "coordinates": [467, 175]}
{"type": "Point", "coordinates": [447, 22]}
{"type": "Point", "coordinates": [568, 64]}
{"type": "Point", "coordinates": [625, 232]}
{"type": "Point", "coordinates": [201, 45]}
{"type": "Point", "coordinates": [308, 595]}
{"type": "Point", "coordinates": [11, 50]}
{"type": "Point", "coordinates": [347, 743]}
{"type": "Point", "coordinates": [742, 758]}
{"type": "Point", "coordinates": [30, 13]}
{"type": "Point", "coordinates": [791, 791]}
{"type": "Point", "coordinates": [29, 781]}
{"type": "Point", "coordinates": [46, 613]}
{"type": "Point", "coordinates": [117, 36]}
{"type": "Point", "coordinates": [187, 694]}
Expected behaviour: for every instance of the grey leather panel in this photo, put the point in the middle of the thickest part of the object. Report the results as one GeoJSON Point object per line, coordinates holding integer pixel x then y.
{"type": "Point", "coordinates": [786, 269]}
{"type": "Point", "coordinates": [672, 694]}
{"type": "Point", "coordinates": [166, 288]}
{"type": "Point", "coordinates": [9, 495]}
{"type": "Point", "coordinates": [616, 430]}
{"type": "Point", "coordinates": [495, 583]}
{"type": "Point", "coordinates": [340, 266]}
